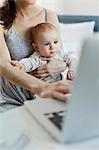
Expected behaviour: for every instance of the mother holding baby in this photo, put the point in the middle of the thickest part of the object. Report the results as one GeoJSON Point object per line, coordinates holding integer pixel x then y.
{"type": "Point", "coordinates": [16, 19]}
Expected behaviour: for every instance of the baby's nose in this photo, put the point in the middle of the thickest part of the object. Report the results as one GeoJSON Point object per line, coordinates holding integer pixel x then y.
{"type": "Point", "coordinates": [52, 46]}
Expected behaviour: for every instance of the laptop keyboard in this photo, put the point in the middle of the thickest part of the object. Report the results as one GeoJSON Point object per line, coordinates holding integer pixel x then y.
{"type": "Point", "coordinates": [56, 118]}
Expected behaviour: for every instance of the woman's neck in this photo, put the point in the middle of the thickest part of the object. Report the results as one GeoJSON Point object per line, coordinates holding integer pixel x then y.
{"type": "Point", "coordinates": [27, 11]}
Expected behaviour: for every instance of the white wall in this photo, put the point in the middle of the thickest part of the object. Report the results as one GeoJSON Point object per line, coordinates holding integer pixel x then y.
{"type": "Point", "coordinates": [84, 7]}
{"type": "Point", "coordinates": [56, 5]}
{"type": "Point", "coordinates": [76, 7]}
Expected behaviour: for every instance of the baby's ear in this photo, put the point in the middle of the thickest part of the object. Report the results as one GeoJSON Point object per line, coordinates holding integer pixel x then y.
{"type": "Point", "coordinates": [34, 46]}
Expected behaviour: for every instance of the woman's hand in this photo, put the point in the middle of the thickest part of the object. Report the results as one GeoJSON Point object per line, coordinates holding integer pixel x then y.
{"type": "Point", "coordinates": [59, 90]}
{"type": "Point", "coordinates": [53, 67]}
{"type": "Point", "coordinates": [17, 64]}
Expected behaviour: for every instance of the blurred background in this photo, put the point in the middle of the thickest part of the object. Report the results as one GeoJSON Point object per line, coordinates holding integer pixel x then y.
{"type": "Point", "coordinates": [74, 7]}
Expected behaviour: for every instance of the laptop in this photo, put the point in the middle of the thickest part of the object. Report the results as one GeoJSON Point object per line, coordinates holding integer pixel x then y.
{"type": "Point", "coordinates": [78, 119]}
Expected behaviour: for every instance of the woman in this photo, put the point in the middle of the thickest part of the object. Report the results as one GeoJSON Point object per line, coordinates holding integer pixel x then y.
{"type": "Point", "coordinates": [17, 18]}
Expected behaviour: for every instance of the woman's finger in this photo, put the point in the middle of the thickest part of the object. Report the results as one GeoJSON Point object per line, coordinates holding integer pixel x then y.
{"type": "Point", "coordinates": [63, 89]}
{"type": "Point", "coordinates": [14, 62]}
{"type": "Point", "coordinates": [60, 96]}
{"type": "Point", "coordinates": [47, 58]}
{"type": "Point", "coordinates": [39, 72]}
{"type": "Point", "coordinates": [66, 82]}
{"type": "Point", "coordinates": [41, 75]}
{"type": "Point", "coordinates": [55, 95]}
{"type": "Point", "coordinates": [58, 90]}
{"type": "Point", "coordinates": [42, 67]}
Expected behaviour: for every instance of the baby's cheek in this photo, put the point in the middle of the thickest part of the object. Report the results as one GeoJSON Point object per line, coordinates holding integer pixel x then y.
{"type": "Point", "coordinates": [47, 53]}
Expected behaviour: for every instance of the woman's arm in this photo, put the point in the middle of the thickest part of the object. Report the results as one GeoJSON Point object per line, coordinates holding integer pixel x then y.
{"type": "Point", "coordinates": [20, 78]}
{"type": "Point", "coordinates": [58, 90]}
{"type": "Point", "coordinates": [12, 73]}
{"type": "Point", "coordinates": [4, 53]}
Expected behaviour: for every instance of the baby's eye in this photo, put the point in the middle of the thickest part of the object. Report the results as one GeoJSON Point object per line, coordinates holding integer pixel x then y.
{"type": "Point", "coordinates": [46, 44]}
{"type": "Point", "coordinates": [55, 42]}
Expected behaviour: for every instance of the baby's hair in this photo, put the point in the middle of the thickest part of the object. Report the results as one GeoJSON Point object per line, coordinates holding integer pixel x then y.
{"type": "Point", "coordinates": [42, 27]}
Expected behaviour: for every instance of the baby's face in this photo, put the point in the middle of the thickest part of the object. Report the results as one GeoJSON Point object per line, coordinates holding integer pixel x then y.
{"type": "Point", "coordinates": [48, 43]}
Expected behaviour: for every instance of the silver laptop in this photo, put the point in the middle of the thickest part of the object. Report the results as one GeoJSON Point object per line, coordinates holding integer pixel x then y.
{"type": "Point", "coordinates": [79, 118]}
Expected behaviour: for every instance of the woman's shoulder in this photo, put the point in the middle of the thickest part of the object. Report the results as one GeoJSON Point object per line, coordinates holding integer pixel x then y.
{"type": "Point", "coordinates": [52, 17]}
{"type": "Point", "coordinates": [51, 13]}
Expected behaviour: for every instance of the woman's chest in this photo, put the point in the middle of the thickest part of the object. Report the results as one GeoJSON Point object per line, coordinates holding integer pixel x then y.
{"type": "Point", "coordinates": [18, 46]}
{"type": "Point", "coordinates": [23, 27]}
{"type": "Point", "coordinates": [18, 38]}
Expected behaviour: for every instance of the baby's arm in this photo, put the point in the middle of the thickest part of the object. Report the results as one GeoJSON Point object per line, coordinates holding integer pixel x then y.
{"type": "Point", "coordinates": [32, 62]}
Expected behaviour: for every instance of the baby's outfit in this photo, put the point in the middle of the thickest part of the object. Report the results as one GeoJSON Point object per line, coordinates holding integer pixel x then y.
{"type": "Point", "coordinates": [32, 62]}
{"type": "Point", "coordinates": [35, 61]}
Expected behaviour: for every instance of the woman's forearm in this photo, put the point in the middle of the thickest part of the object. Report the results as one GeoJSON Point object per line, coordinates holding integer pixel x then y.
{"type": "Point", "coordinates": [22, 79]}
{"type": "Point", "coordinates": [57, 90]}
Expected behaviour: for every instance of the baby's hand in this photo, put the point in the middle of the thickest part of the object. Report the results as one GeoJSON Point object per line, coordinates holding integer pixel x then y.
{"type": "Point", "coordinates": [17, 64]}
{"type": "Point", "coordinates": [70, 75]}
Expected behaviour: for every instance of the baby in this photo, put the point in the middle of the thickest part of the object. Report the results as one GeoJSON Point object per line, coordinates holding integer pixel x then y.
{"type": "Point", "coordinates": [45, 43]}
